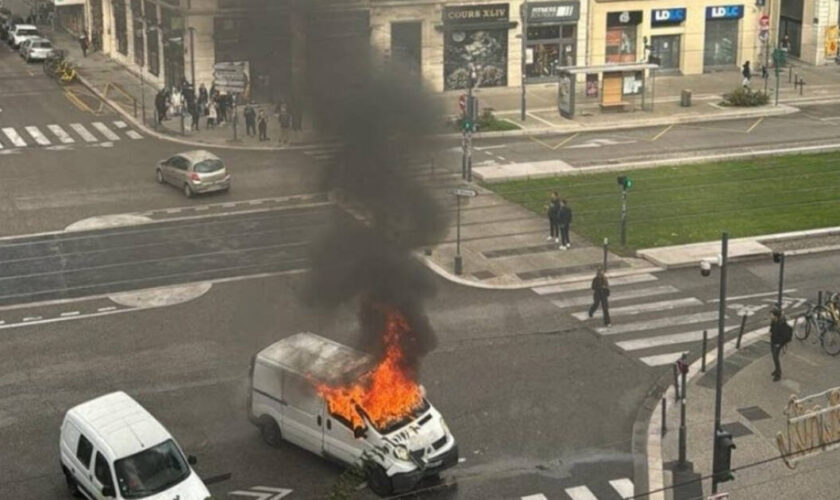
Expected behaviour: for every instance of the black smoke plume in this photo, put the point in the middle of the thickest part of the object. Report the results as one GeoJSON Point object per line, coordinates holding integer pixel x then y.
{"type": "Point", "coordinates": [382, 118]}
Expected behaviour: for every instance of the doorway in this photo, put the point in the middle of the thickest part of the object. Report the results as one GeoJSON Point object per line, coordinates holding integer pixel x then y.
{"type": "Point", "coordinates": [667, 48]}
{"type": "Point", "coordinates": [405, 47]}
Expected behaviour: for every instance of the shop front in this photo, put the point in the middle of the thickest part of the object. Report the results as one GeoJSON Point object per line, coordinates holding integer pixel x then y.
{"type": "Point", "coordinates": [721, 36]}
{"type": "Point", "coordinates": [790, 26]}
{"type": "Point", "coordinates": [551, 39]}
{"type": "Point", "coordinates": [70, 14]}
{"type": "Point", "coordinates": [622, 40]}
{"type": "Point", "coordinates": [172, 25]}
{"type": "Point", "coordinates": [477, 35]}
{"type": "Point", "coordinates": [666, 37]}
{"type": "Point", "coordinates": [120, 23]}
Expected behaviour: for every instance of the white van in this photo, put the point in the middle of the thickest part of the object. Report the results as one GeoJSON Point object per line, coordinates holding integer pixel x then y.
{"type": "Point", "coordinates": [284, 404]}
{"type": "Point", "coordinates": [111, 447]}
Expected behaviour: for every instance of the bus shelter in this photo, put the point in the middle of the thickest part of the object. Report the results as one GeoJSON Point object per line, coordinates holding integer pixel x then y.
{"type": "Point", "coordinates": [615, 85]}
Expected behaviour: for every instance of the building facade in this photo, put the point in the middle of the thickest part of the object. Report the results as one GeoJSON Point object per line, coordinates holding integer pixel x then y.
{"type": "Point", "coordinates": [811, 27]}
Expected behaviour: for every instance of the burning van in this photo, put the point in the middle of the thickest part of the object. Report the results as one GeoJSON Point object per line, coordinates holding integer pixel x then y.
{"type": "Point", "coordinates": [345, 405]}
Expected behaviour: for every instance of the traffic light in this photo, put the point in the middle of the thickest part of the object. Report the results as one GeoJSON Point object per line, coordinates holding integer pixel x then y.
{"type": "Point", "coordinates": [723, 456]}
{"type": "Point", "coordinates": [471, 113]}
{"type": "Point", "coordinates": [625, 182]}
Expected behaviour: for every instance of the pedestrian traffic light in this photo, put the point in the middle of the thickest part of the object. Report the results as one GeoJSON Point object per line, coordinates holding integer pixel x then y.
{"type": "Point", "coordinates": [625, 182]}
{"type": "Point", "coordinates": [470, 114]}
{"type": "Point", "coordinates": [722, 459]}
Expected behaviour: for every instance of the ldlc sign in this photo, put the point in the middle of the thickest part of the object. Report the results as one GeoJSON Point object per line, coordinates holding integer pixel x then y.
{"type": "Point", "coordinates": [725, 12]}
{"type": "Point", "coordinates": [668, 16]}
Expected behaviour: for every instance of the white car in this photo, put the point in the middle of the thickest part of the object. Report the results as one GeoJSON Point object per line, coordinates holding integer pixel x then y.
{"type": "Point", "coordinates": [36, 49]}
{"type": "Point", "coordinates": [111, 447]}
{"type": "Point", "coordinates": [21, 32]}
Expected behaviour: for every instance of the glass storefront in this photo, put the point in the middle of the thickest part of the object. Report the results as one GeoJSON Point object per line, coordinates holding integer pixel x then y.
{"type": "Point", "coordinates": [476, 34]}
{"type": "Point", "coordinates": [139, 41]}
{"type": "Point", "coordinates": [120, 28]}
{"type": "Point", "coordinates": [622, 31]}
{"type": "Point", "coordinates": [721, 46]}
{"type": "Point", "coordinates": [152, 37]}
{"type": "Point", "coordinates": [551, 39]}
{"type": "Point", "coordinates": [667, 49]}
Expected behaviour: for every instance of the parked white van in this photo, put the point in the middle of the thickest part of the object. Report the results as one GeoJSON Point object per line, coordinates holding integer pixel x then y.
{"type": "Point", "coordinates": [111, 447]}
{"type": "Point", "coordinates": [285, 405]}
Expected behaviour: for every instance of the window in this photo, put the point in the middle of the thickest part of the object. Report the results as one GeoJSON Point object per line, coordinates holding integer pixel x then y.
{"type": "Point", "coordinates": [151, 471]}
{"type": "Point", "coordinates": [300, 393]}
{"type": "Point", "coordinates": [208, 166]}
{"type": "Point", "coordinates": [102, 471]}
{"type": "Point", "coordinates": [621, 44]}
{"type": "Point", "coordinates": [83, 451]}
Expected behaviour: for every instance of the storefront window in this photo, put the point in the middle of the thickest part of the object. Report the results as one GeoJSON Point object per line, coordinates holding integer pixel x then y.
{"type": "Point", "coordinates": [721, 42]}
{"type": "Point", "coordinates": [152, 37]}
{"type": "Point", "coordinates": [545, 59]}
{"type": "Point", "coordinates": [621, 38]}
{"type": "Point", "coordinates": [120, 26]}
{"type": "Point", "coordinates": [487, 49]}
{"type": "Point", "coordinates": [139, 42]}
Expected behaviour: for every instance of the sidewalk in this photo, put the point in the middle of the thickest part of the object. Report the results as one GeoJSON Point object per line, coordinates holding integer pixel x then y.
{"type": "Point", "coordinates": [752, 409]}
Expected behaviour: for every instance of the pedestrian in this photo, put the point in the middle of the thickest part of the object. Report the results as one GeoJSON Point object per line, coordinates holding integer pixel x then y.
{"type": "Point", "coordinates": [786, 43]}
{"type": "Point", "coordinates": [285, 120]}
{"type": "Point", "coordinates": [765, 74]}
{"type": "Point", "coordinates": [262, 123]}
{"type": "Point", "coordinates": [552, 209]}
{"type": "Point", "coordinates": [297, 115]}
{"type": "Point", "coordinates": [250, 120]}
{"type": "Point", "coordinates": [600, 294]}
{"type": "Point", "coordinates": [221, 107]}
{"type": "Point", "coordinates": [160, 105]}
{"type": "Point", "coordinates": [780, 335]}
{"type": "Point", "coordinates": [211, 115]}
{"type": "Point", "coordinates": [83, 43]}
{"type": "Point", "coordinates": [564, 218]}
{"type": "Point", "coordinates": [195, 114]}
{"type": "Point", "coordinates": [202, 97]}
{"type": "Point", "coordinates": [747, 74]}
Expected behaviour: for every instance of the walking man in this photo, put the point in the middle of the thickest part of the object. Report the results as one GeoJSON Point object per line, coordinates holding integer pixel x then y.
{"type": "Point", "coordinates": [263, 126]}
{"type": "Point", "coordinates": [83, 43]}
{"type": "Point", "coordinates": [194, 114]}
{"type": "Point", "coordinates": [600, 293]}
{"type": "Point", "coordinates": [552, 211]}
{"type": "Point", "coordinates": [745, 71]}
{"type": "Point", "coordinates": [780, 335]}
{"type": "Point", "coordinates": [285, 123]}
{"type": "Point", "coordinates": [564, 218]}
{"type": "Point", "coordinates": [250, 120]}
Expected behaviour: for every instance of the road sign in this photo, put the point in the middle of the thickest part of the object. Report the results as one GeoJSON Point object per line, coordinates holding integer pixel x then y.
{"type": "Point", "coordinates": [764, 22]}
{"type": "Point", "coordinates": [763, 36]}
{"type": "Point", "coordinates": [231, 76]}
{"type": "Point", "coordinates": [462, 102]}
{"type": "Point", "coordinates": [464, 192]}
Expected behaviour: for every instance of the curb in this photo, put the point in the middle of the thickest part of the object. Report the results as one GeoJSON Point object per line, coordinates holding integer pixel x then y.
{"type": "Point", "coordinates": [186, 142]}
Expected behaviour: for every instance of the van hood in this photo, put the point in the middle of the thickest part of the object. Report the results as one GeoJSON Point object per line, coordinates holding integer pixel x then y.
{"type": "Point", "coordinates": [190, 488]}
{"type": "Point", "coordinates": [419, 435]}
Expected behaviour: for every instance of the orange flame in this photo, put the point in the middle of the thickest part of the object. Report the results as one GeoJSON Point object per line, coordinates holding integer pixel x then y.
{"type": "Point", "coordinates": [386, 393]}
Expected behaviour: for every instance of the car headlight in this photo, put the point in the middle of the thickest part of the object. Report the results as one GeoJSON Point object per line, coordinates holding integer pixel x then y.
{"type": "Point", "coordinates": [401, 452]}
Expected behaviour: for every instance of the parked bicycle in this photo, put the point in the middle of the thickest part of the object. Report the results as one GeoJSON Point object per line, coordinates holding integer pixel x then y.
{"type": "Point", "coordinates": [823, 320]}
{"type": "Point", "coordinates": [57, 66]}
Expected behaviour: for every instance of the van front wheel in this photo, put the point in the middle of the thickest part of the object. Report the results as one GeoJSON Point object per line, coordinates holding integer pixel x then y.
{"type": "Point", "coordinates": [72, 485]}
{"type": "Point", "coordinates": [269, 432]}
{"type": "Point", "coordinates": [379, 481]}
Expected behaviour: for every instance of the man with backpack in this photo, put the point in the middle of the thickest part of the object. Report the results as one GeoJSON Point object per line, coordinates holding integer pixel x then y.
{"type": "Point", "coordinates": [780, 334]}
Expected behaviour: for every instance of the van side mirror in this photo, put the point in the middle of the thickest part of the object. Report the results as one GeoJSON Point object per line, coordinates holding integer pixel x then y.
{"type": "Point", "coordinates": [108, 491]}
{"type": "Point", "coordinates": [359, 432]}
{"type": "Point", "coordinates": [192, 460]}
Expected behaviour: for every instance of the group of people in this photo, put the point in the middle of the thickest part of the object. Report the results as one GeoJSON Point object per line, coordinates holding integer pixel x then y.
{"type": "Point", "coordinates": [559, 220]}
{"type": "Point", "coordinates": [289, 119]}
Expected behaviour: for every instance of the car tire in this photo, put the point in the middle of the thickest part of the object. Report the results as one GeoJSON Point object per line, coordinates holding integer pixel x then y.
{"type": "Point", "coordinates": [379, 481]}
{"type": "Point", "coordinates": [72, 485]}
{"type": "Point", "coordinates": [270, 432]}
{"type": "Point", "coordinates": [159, 176]}
{"type": "Point", "coordinates": [188, 192]}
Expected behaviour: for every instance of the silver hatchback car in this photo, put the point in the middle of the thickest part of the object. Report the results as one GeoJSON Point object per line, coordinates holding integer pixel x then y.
{"type": "Point", "coordinates": [36, 49]}
{"type": "Point", "coordinates": [194, 172]}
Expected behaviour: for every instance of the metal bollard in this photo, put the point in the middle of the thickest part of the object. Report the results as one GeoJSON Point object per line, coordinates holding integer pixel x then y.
{"type": "Point", "coordinates": [182, 124]}
{"type": "Point", "coordinates": [741, 331]}
{"type": "Point", "coordinates": [682, 442]}
{"type": "Point", "coordinates": [664, 405]}
{"type": "Point", "coordinates": [801, 85]}
{"type": "Point", "coordinates": [703, 359]}
{"type": "Point", "coordinates": [135, 106]}
{"type": "Point", "coordinates": [676, 383]}
{"type": "Point", "coordinates": [819, 298]}
{"type": "Point", "coordinates": [790, 74]}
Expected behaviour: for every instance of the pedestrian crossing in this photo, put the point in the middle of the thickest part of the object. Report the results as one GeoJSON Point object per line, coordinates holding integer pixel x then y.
{"type": "Point", "coordinates": [621, 488]}
{"type": "Point", "coordinates": [72, 133]}
{"type": "Point", "coordinates": [654, 322]}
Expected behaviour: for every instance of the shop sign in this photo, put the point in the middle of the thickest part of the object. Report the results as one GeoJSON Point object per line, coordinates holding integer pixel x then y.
{"type": "Point", "coordinates": [627, 17]}
{"type": "Point", "coordinates": [231, 76]}
{"type": "Point", "coordinates": [725, 12]}
{"type": "Point", "coordinates": [464, 14]}
{"type": "Point", "coordinates": [667, 16]}
{"type": "Point", "coordinates": [831, 38]}
{"type": "Point", "coordinates": [557, 12]}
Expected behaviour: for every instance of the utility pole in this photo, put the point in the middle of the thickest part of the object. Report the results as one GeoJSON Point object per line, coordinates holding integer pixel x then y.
{"type": "Point", "coordinates": [524, 16]}
{"type": "Point", "coordinates": [625, 183]}
{"type": "Point", "coordinates": [779, 258]}
{"type": "Point", "coordinates": [724, 244]}
{"type": "Point", "coordinates": [469, 123]}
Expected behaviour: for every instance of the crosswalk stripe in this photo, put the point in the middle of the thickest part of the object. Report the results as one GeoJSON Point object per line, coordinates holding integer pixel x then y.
{"type": "Point", "coordinates": [83, 132]}
{"type": "Point", "coordinates": [133, 134]}
{"type": "Point", "coordinates": [623, 487]}
{"type": "Point", "coordinates": [37, 135]}
{"type": "Point", "coordinates": [661, 359]}
{"type": "Point", "coordinates": [104, 130]}
{"type": "Point", "coordinates": [646, 307]}
{"type": "Point", "coordinates": [624, 295]}
{"type": "Point", "coordinates": [59, 132]}
{"type": "Point", "coordinates": [585, 285]}
{"type": "Point", "coordinates": [120, 124]}
{"type": "Point", "coordinates": [580, 493]}
{"type": "Point", "coordinates": [13, 136]}
{"type": "Point", "coordinates": [538, 496]}
{"type": "Point", "coordinates": [660, 340]}
{"type": "Point", "coordinates": [658, 323]}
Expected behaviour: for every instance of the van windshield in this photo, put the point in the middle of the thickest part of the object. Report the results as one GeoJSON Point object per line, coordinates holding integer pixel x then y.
{"type": "Point", "coordinates": [151, 471]}
{"type": "Point", "coordinates": [394, 425]}
{"type": "Point", "coordinates": [27, 32]}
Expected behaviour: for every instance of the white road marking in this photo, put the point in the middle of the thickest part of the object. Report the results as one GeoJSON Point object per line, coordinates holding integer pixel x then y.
{"type": "Point", "coordinates": [624, 295]}
{"type": "Point", "coordinates": [70, 313]}
{"type": "Point", "coordinates": [38, 136]}
{"type": "Point", "coordinates": [597, 143]}
{"type": "Point", "coordinates": [662, 359]}
{"type": "Point", "coordinates": [263, 493]}
{"type": "Point", "coordinates": [659, 323]}
{"type": "Point", "coordinates": [104, 309]}
{"type": "Point", "coordinates": [13, 136]}
{"type": "Point", "coordinates": [664, 305]}
{"type": "Point", "coordinates": [624, 487]}
{"type": "Point", "coordinates": [120, 124]}
{"type": "Point", "coordinates": [754, 295]}
{"type": "Point", "coordinates": [32, 318]}
{"type": "Point", "coordinates": [580, 493]}
{"type": "Point", "coordinates": [497, 146]}
{"type": "Point", "coordinates": [83, 132]}
{"type": "Point", "coordinates": [59, 132]}
{"type": "Point", "coordinates": [676, 338]}
{"type": "Point", "coordinates": [104, 130]}
{"type": "Point", "coordinates": [585, 285]}
{"type": "Point", "coordinates": [133, 134]}
{"type": "Point", "coordinates": [538, 496]}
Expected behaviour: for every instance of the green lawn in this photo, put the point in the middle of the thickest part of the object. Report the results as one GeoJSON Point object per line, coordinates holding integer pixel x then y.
{"type": "Point", "coordinates": [691, 203]}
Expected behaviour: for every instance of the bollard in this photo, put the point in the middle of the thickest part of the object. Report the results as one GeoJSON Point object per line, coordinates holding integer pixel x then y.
{"type": "Point", "coordinates": [801, 85]}
{"type": "Point", "coordinates": [664, 427]}
{"type": "Point", "coordinates": [681, 462]}
{"type": "Point", "coordinates": [135, 106]}
{"type": "Point", "coordinates": [790, 74]}
{"type": "Point", "coordinates": [676, 383]}
{"type": "Point", "coordinates": [741, 331]}
{"type": "Point", "coordinates": [182, 124]}
{"type": "Point", "coordinates": [819, 298]}
{"type": "Point", "coordinates": [703, 359]}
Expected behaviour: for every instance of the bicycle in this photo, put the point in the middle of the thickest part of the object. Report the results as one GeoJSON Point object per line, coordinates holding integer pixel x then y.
{"type": "Point", "coordinates": [823, 319]}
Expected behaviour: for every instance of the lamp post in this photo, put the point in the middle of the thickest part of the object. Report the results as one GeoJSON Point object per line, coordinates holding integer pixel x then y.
{"type": "Point", "coordinates": [524, 36]}
{"type": "Point", "coordinates": [192, 56]}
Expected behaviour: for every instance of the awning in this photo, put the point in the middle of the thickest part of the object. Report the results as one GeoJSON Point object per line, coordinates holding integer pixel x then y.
{"type": "Point", "coordinates": [607, 68]}
{"type": "Point", "coordinates": [64, 3]}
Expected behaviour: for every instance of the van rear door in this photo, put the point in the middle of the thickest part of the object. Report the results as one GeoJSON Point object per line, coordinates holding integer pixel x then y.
{"type": "Point", "coordinates": [303, 415]}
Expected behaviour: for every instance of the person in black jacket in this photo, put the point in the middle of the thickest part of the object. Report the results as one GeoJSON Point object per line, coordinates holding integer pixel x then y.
{"type": "Point", "coordinates": [600, 292]}
{"type": "Point", "coordinates": [552, 211]}
{"type": "Point", "coordinates": [777, 341]}
{"type": "Point", "coordinates": [564, 218]}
